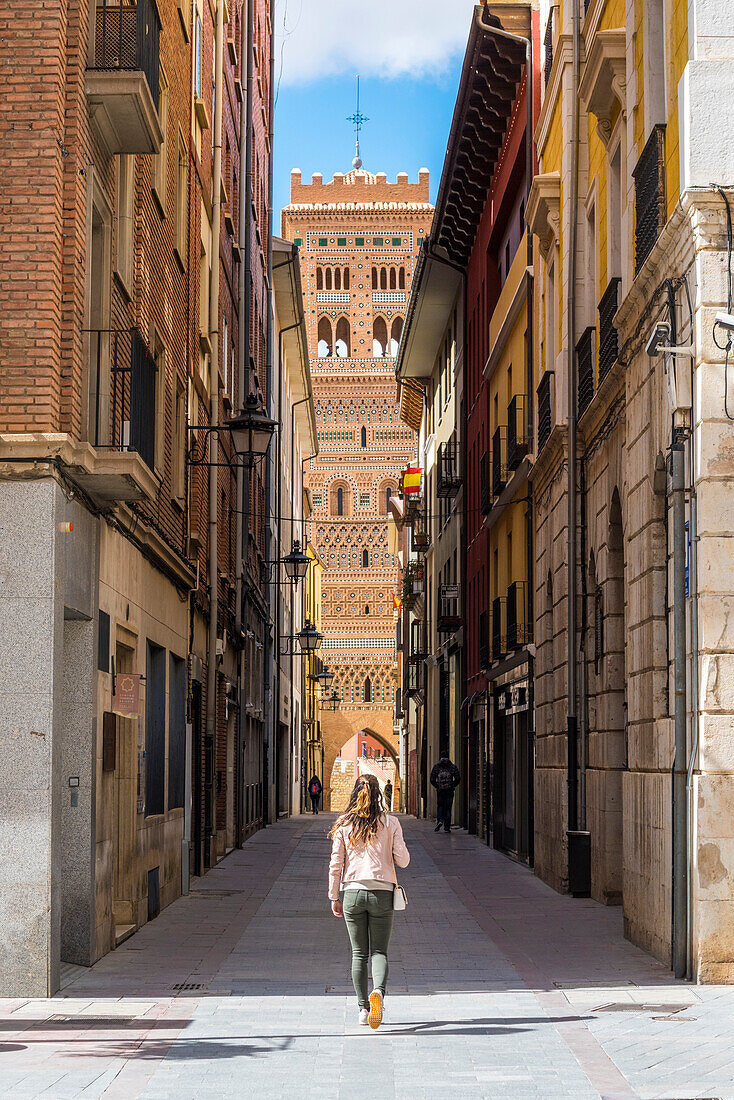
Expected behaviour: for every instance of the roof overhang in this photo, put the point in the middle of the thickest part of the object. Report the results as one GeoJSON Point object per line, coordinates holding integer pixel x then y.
{"type": "Point", "coordinates": [490, 81]}
{"type": "Point", "coordinates": [432, 300]}
{"type": "Point", "coordinates": [288, 296]}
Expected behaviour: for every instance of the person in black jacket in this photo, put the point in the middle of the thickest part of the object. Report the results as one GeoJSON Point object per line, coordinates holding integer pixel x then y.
{"type": "Point", "coordinates": [445, 778]}
{"type": "Point", "coordinates": [388, 795]}
{"type": "Point", "coordinates": [314, 789]}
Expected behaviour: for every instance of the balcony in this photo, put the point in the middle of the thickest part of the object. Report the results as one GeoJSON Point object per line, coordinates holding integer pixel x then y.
{"type": "Point", "coordinates": [585, 363]}
{"type": "Point", "coordinates": [420, 533]}
{"type": "Point", "coordinates": [546, 401]}
{"type": "Point", "coordinates": [448, 480]}
{"type": "Point", "coordinates": [122, 82]}
{"type": "Point", "coordinates": [519, 625]}
{"type": "Point", "coordinates": [499, 460]}
{"type": "Point", "coordinates": [548, 47]}
{"type": "Point", "coordinates": [413, 679]}
{"type": "Point", "coordinates": [608, 337]}
{"type": "Point", "coordinates": [484, 640]}
{"type": "Point", "coordinates": [517, 431]}
{"type": "Point", "coordinates": [418, 643]}
{"type": "Point", "coordinates": [649, 177]}
{"type": "Point", "coordinates": [485, 495]}
{"type": "Point", "coordinates": [499, 628]}
{"type": "Point", "coordinates": [448, 616]}
{"type": "Point", "coordinates": [413, 584]}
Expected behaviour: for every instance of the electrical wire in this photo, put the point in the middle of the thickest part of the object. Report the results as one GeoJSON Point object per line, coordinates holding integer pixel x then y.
{"type": "Point", "coordinates": [727, 346]}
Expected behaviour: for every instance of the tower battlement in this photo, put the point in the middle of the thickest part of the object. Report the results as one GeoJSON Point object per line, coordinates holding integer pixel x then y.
{"type": "Point", "coordinates": [358, 186]}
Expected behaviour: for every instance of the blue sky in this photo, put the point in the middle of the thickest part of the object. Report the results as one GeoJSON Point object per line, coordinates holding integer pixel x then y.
{"type": "Point", "coordinates": [408, 86]}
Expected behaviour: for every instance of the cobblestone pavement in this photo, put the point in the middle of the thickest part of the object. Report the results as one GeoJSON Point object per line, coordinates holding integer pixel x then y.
{"type": "Point", "coordinates": [499, 988]}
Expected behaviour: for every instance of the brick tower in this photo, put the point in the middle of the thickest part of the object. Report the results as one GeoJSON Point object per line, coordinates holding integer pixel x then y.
{"type": "Point", "coordinates": [359, 238]}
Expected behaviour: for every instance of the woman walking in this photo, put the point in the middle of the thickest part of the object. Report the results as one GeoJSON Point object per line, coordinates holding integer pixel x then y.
{"type": "Point", "coordinates": [366, 845]}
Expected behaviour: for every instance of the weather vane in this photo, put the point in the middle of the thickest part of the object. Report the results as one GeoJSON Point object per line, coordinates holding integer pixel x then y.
{"type": "Point", "coordinates": [358, 120]}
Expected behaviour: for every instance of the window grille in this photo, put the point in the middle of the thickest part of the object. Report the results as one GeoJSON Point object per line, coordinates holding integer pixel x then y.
{"type": "Point", "coordinates": [608, 336]}
{"type": "Point", "coordinates": [585, 369]}
{"type": "Point", "coordinates": [649, 177]}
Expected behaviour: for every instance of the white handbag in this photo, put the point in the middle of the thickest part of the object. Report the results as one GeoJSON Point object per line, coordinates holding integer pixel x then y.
{"type": "Point", "coordinates": [399, 899]}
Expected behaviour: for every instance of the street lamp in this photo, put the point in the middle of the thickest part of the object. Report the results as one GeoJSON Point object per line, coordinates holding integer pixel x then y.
{"type": "Point", "coordinates": [309, 638]}
{"type": "Point", "coordinates": [296, 563]}
{"type": "Point", "coordinates": [334, 701]}
{"type": "Point", "coordinates": [251, 430]}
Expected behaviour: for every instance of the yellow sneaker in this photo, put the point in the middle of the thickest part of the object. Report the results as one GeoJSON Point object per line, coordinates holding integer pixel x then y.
{"type": "Point", "coordinates": [375, 1016]}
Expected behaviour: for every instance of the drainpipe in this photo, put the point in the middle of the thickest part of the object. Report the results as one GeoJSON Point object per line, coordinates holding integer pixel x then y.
{"type": "Point", "coordinates": [578, 853]}
{"type": "Point", "coordinates": [268, 677]}
{"type": "Point", "coordinates": [211, 695]}
{"type": "Point", "coordinates": [680, 889]}
{"type": "Point", "coordinates": [243, 326]}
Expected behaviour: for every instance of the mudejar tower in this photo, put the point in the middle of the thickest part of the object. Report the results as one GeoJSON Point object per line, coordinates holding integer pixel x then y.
{"type": "Point", "coordinates": [359, 238]}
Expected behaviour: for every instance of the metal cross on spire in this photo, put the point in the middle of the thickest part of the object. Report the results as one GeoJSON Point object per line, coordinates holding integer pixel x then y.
{"type": "Point", "coordinates": [358, 120]}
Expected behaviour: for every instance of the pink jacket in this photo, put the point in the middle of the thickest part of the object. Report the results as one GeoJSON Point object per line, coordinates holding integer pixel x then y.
{"type": "Point", "coordinates": [376, 860]}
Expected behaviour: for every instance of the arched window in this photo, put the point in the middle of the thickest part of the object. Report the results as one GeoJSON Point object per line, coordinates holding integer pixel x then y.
{"type": "Point", "coordinates": [319, 278]}
{"type": "Point", "coordinates": [366, 609]}
{"type": "Point", "coordinates": [328, 278]}
{"type": "Point", "coordinates": [340, 501]}
{"type": "Point", "coordinates": [363, 437]}
{"type": "Point", "coordinates": [367, 690]}
{"type": "Point", "coordinates": [379, 337]}
{"type": "Point", "coordinates": [345, 281]}
{"type": "Point", "coordinates": [337, 278]}
{"type": "Point", "coordinates": [374, 278]}
{"type": "Point", "coordinates": [342, 338]}
{"type": "Point", "coordinates": [388, 495]}
{"type": "Point", "coordinates": [401, 279]}
{"type": "Point", "coordinates": [393, 279]}
{"type": "Point", "coordinates": [383, 278]}
{"type": "Point", "coordinates": [325, 338]}
{"type": "Point", "coordinates": [365, 559]}
{"type": "Point", "coordinates": [395, 334]}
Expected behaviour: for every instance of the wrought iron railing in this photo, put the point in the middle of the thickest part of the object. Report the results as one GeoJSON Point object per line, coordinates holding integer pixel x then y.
{"type": "Point", "coordinates": [484, 639]}
{"type": "Point", "coordinates": [585, 349]}
{"type": "Point", "coordinates": [519, 626]}
{"type": "Point", "coordinates": [485, 489]}
{"type": "Point", "coordinates": [413, 583]}
{"type": "Point", "coordinates": [499, 627]}
{"type": "Point", "coordinates": [448, 478]}
{"type": "Point", "coordinates": [499, 460]}
{"type": "Point", "coordinates": [418, 641]}
{"type": "Point", "coordinates": [127, 37]}
{"type": "Point", "coordinates": [124, 412]}
{"type": "Point", "coordinates": [649, 177]}
{"type": "Point", "coordinates": [608, 336]}
{"type": "Point", "coordinates": [517, 431]}
{"type": "Point", "coordinates": [545, 409]}
{"type": "Point", "coordinates": [413, 678]}
{"type": "Point", "coordinates": [548, 45]}
{"type": "Point", "coordinates": [448, 617]}
{"type": "Point", "coordinates": [420, 532]}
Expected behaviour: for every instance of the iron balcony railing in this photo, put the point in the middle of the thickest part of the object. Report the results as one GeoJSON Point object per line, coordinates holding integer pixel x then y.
{"type": "Point", "coordinates": [499, 627]}
{"type": "Point", "coordinates": [413, 583]}
{"type": "Point", "coordinates": [548, 44]}
{"type": "Point", "coordinates": [485, 489]}
{"type": "Point", "coordinates": [448, 480]}
{"type": "Point", "coordinates": [585, 372]}
{"type": "Point", "coordinates": [545, 409]}
{"type": "Point", "coordinates": [418, 641]}
{"type": "Point", "coordinates": [448, 612]}
{"type": "Point", "coordinates": [420, 532]}
{"type": "Point", "coordinates": [649, 177]}
{"type": "Point", "coordinates": [127, 37]}
{"type": "Point", "coordinates": [413, 680]}
{"type": "Point", "coordinates": [517, 432]}
{"type": "Point", "coordinates": [124, 416]}
{"type": "Point", "coordinates": [608, 336]}
{"type": "Point", "coordinates": [519, 626]}
{"type": "Point", "coordinates": [499, 460]}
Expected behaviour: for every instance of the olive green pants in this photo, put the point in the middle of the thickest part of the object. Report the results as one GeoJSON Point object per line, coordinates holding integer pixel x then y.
{"type": "Point", "coordinates": [368, 916]}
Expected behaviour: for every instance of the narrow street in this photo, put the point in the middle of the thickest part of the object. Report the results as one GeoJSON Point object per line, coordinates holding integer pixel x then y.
{"type": "Point", "coordinates": [242, 989]}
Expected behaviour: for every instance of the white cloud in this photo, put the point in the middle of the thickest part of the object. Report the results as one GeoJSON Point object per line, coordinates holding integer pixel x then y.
{"type": "Point", "coordinates": [377, 38]}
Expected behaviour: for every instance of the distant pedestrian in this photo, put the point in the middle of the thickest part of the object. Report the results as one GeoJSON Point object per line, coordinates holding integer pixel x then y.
{"type": "Point", "coordinates": [315, 789]}
{"type": "Point", "coordinates": [388, 795]}
{"type": "Point", "coordinates": [366, 845]}
{"type": "Point", "coordinates": [445, 778]}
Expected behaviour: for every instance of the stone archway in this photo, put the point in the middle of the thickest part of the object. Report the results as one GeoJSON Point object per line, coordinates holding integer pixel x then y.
{"type": "Point", "coordinates": [339, 727]}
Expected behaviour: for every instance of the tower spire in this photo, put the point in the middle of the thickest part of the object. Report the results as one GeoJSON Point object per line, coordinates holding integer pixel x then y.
{"type": "Point", "coordinates": [358, 120]}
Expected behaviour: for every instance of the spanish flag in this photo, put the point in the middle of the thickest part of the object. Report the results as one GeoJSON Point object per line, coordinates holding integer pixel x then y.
{"type": "Point", "coordinates": [412, 480]}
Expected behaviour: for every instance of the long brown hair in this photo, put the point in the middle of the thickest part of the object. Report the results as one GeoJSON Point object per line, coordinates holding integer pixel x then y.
{"type": "Point", "coordinates": [364, 811]}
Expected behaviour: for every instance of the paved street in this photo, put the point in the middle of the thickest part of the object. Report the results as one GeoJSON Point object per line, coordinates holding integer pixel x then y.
{"type": "Point", "coordinates": [242, 989]}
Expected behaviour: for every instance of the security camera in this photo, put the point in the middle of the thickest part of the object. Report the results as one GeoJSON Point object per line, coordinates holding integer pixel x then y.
{"type": "Point", "coordinates": [660, 336]}
{"type": "Point", "coordinates": [726, 320]}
